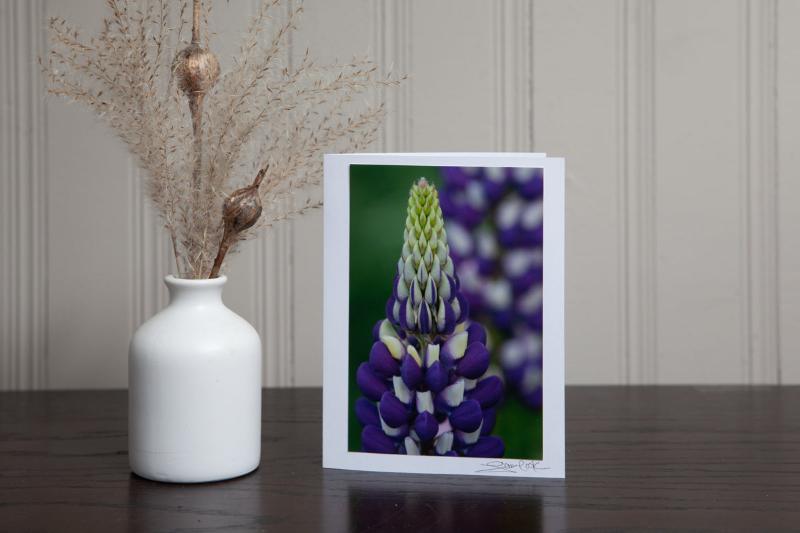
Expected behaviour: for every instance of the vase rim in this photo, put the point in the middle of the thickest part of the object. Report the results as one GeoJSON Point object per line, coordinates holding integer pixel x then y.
{"type": "Point", "coordinates": [189, 282]}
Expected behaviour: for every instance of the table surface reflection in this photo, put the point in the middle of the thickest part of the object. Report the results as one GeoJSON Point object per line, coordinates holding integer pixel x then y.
{"type": "Point", "coordinates": [638, 458]}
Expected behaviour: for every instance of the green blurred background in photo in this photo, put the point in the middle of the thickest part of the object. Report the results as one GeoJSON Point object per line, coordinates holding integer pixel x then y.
{"type": "Point", "coordinates": [378, 199]}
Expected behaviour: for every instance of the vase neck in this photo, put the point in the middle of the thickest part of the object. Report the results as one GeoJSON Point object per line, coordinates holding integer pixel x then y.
{"type": "Point", "coordinates": [195, 291]}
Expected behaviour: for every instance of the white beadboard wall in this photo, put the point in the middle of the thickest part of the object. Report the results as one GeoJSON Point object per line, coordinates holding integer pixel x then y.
{"type": "Point", "coordinates": [679, 120]}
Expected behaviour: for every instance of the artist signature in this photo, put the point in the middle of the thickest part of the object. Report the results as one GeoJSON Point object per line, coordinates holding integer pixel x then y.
{"type": "Point", "coordinates": [512, 467]}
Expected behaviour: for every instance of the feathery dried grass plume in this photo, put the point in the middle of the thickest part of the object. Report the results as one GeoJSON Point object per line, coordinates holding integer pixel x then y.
{"type": "Point", "coordinates": [201, 136]}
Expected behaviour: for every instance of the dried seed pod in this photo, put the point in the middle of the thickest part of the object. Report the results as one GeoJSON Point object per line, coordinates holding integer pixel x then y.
{"type": "Point", "coordinates": [242, 208]}
{"type": "Point", "coordinates": [240, 211]}
{"type": "Point", "coordinates": [196, 69]}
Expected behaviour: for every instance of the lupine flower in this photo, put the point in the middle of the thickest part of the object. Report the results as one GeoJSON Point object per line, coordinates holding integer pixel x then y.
{"type": "Point", "coordinates": [425, 387]}
{"type": "Point", "coordinates": [494, 222]}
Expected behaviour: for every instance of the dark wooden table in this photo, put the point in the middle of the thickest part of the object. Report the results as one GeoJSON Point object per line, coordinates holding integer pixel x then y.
{"type": "Point", "coordinates": [638, 459]}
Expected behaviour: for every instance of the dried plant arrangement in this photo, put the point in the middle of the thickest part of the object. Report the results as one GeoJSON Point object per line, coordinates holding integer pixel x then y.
{"type": "Point", "coordinates": [224, 153]}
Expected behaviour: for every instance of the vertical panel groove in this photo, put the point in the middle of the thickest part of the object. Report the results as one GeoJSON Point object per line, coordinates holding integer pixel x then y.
{"type": "Point", "coordinates": [498, 32]}
{"type": "Point", "coordinates": [23, 286]}
{"type": "Point", "coordinates": [287, 266]}
{"type": "Point", "coordinates": [624, 363]}
{"type": "Point", "coordinates": [640, 309]}
{"type": "Point", "coordinates": [775, 154]}
{"type": "Point", "coordinates": [759, 124]}
{"type": "Point", "coordinates": [513, 75]}
{"type": "Point", "coordinates": [530, 22]}
{"type": "Point", "coordinates": [746, 335]}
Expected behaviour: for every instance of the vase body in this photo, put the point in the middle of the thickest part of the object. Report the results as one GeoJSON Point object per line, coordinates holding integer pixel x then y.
{"type": "Point", "coordinates": [194, 412]}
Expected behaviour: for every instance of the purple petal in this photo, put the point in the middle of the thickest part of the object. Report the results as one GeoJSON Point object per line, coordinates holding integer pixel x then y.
{"type": "Point", "coordinates": [381, 361]}
{"type": "Point", "coordinates": [489, 419]}
{"type": "Point", "coordinates": [392, 410]}
{"type": "Point", "coordinates": [401, 316]}
{"type": "Point", "coordinates": [467, 416]}
{"type": "Point", "coordinates": [536, 321]}
{"type": "Point", "coordinates": [514, 374]}
{"type": "Point", "coordinates": [426, 426]}
{"type": "Point", "coordinates": [503, 318]}
{"type": "Point", "coordinates": [455, 178]}
{"type": "Point", "coordinates": [376, 330]}
{"type": "Point", "coordinates": [487, 447]}
{"type": "Point", "coordinates": [367, 412]}
{"type": "Point", "coordinates": [487, 392]}
{"type": "Point", "coordinates": [486, 266]}
{"type": "Point", "coordinates": [371, 385]}
{"type": "Point", "coordinates": [532, 187]}
{"type": "Point", "coordinates": [431, 294]}
{"type": "Point", "coordinates": [475, 361]}
{"type": "Point", "coordinates": [394, 286]}
{"type": "Point", "coordinates": [533, 399]}
{"type": "Point", "coordinates": [413, 341]}
{"type": "Point", "coordinates": [453, 284]}
{"type": "Point", "coordinates": [494, 187]}
{"type": "Point", "coordinates": [446, 318]}
{"type": "Point", "coordinates": [425, 319]}
{"type": "Point", "coordinates": [507, 237]}
{"type": "Point", "coordinates": [436, 377]}
{"type": "Point", "coordinates": [464, 306]}
{"type": "Point", "coordinates": [373, 440]}
{"type": "Point", "coordinates": [411, 371]}
{"type": "Point", "coordinates": [476, 333]}
{"type": "Point", "coordinates": [526, 280]}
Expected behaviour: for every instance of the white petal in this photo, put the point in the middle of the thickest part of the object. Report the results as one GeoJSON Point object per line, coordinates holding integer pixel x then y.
{"type": "Point", "coordinates": [411, 317]}
{"type": "Point", "coordinates": [411, 447]}
{"type": "Point", "coordinates": [532, 216]}
{"type": "Point", "coordinates": [387, 330]}
{"type": "Point", "coordinates": [453, 394]}
{"type": "Point", "coordinates": [532, 300]}
{"type": "Point", "coordinates": [414, 353]}
{"type": "Point", "coordinates": [402, 288]}
{"type": "Point", "coordinates": [472, 437]}
{"type": "Point", "coordinates": [408, 270]}
{"type": "Point", "coordinates": [431, 355]}
{"type": "Point", "coordinates": [444, 288]}
{"type": "Point", "coordinates": [460, 239]}
{"type": "Point", "coordinates": [424, 402]}
{"type": "Point", "coordinates": [400, 390]}
{"type": "Point", "coordinates": [448, 266]}
{"type": "Point", "coordinates": [444, 443]}
{"type": "Point", "coordinates": [509, 212]}
{"type": "Point", "coordinates": [457, 344]}
{"type": "Point", "coordinates": [389, 430]}
{"type": "Point", "coordinates": [422, 273]}
{"type": "Point", "coordinates": [394, 345]}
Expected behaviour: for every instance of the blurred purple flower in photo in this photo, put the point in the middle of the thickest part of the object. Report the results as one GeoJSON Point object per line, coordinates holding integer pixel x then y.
{"type": "Point", "coordinates": [494, 224]}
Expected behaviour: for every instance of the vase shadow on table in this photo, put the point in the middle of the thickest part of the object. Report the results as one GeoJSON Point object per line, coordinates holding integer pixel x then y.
{"type": "Point", "coordinates": [357, 501]}
{"type": "Point", "coordinates": [236, 504]}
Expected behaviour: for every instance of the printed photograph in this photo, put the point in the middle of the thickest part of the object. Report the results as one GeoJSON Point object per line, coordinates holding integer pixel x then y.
{"type": "Point", "coordinates": [445, 312]}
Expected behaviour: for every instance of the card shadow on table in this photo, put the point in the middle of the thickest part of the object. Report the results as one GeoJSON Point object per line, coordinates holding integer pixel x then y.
{"type": "Point", "coordinates": [359, 501]}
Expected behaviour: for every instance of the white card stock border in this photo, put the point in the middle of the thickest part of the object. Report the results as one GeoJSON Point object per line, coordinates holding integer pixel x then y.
{"type": "Point", "coordinates": [336, 305]}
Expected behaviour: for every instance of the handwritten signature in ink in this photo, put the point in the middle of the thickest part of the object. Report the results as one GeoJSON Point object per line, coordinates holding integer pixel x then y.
{"type": "Point", "coordinates": [511, 467]}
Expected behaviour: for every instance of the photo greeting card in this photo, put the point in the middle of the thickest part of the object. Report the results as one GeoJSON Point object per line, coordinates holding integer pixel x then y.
{"type": "Point", "coordinates": [444, 313]}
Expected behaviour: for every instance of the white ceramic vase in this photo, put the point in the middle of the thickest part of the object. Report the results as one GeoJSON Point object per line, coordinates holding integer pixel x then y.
{"type": "Point", "coordinates": [194, 410]}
